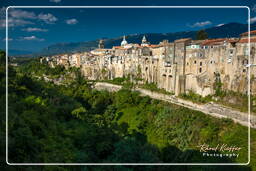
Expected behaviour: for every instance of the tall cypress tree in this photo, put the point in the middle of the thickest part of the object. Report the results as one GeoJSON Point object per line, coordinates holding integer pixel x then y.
{"type": "Point", "coordinates": [201, 35]}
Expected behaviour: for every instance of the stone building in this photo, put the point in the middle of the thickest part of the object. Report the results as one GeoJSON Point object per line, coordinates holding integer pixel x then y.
{"type": "Point", "coordinates": [178, 67]}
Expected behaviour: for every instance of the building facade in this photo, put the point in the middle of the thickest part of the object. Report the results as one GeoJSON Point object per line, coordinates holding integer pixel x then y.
{"type": "Point", "coordinates": [178, 67]}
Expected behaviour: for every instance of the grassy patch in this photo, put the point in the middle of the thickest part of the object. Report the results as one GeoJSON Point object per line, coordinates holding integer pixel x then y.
{"type": "Point", "coordinates": [196, 98]}
{"type": "Point", "coordinates": [153, 87]}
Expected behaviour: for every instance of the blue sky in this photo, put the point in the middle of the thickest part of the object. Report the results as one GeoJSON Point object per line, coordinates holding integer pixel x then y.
{"type": "Point", "coordinates": [33, 29]}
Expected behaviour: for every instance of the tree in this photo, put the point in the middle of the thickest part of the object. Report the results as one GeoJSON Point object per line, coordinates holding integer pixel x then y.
{"type": "Point", "coordinates": [201, 35]}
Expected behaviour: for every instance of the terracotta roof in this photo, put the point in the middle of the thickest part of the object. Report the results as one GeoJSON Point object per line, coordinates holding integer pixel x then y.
{"type": "Point", "coordinates": [182, 40]}
{"type": "Point", "coordinates": [233, 40]}
{"type": "Point", "coordinates": [100, 49]}
{"type": "Point", "coordinates": [154, 46]}
{"type": "Point", "coordinates": [116, 47]}
{"type": "Point", "coordinates": [245, 40]}
{"type": "Point", "coordinates": [246, 33]}
{"type": "Point", "coordinates": [213, 41]}
{"type": "Point", "coordinates": [119, 47]}
{"type": "Point", "coordinates": [195, 42]}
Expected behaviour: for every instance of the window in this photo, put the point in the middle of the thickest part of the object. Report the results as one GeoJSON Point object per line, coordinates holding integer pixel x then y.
{"type": "Point", "coordinates": [246, 51]}
{"type": "Point", "coordinates": [201, 63]}
{"type": "Point", "coordinates": [194, 62]}
{"type": "Point", "coordinates": [245, 62]}
{"type": "Point", "coordinates": [200, 70]}
{"type": "Point", "coordinates": [252, 50]}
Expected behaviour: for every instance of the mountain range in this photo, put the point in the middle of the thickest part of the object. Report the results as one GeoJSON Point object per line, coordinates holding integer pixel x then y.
{"type": "Point", "coordinates": [225, 30]}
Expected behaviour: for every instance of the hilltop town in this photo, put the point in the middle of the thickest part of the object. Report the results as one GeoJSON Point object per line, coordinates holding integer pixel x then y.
{"type": "Point", "coordinates": [200, 66]}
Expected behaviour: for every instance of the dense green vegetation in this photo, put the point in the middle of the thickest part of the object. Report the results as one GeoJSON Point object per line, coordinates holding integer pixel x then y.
{"type": "Point", "coordinates": [125, 82]}
{"type": "Point", "coordinates": [201, 35]}
{"type": "Point", "coordinates": [153, 87]}
{"type": "Point", "coordinates": [20, 60]}
{"type": "Point", "coordinates": [196, 97]}
{"type": "Point", "coordinates": [74, 123]}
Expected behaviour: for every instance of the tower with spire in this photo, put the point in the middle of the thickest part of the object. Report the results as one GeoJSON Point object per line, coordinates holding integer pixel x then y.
{"type": "Point", "coordinates": [124, 42]}
{"type": "Point", "coordinates": [101, 44]}
{"type": "Point", "coordinates": [144, 41]}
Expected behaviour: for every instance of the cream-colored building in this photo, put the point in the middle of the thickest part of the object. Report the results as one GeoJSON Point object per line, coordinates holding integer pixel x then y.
{"type": "Point", "coordinates": [180, 66]}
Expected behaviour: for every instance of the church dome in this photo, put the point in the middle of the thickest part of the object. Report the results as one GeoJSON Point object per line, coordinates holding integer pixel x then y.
{"type": "Point", "coordinates": [124, 42]}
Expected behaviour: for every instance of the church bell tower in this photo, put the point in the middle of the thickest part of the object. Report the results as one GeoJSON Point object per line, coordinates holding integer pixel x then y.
{"type": "Point", "coordinates": [101, 44]}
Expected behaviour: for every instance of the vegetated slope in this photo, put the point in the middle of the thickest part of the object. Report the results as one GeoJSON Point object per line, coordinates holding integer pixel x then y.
{"type": "Point", "coordinates": [74, 123]}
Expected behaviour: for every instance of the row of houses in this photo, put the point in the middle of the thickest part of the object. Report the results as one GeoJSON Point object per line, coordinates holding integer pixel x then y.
{"type": "Point", "coordinates": [179, 66]}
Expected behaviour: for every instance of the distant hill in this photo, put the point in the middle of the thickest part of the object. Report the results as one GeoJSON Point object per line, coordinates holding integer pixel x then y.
{"type": "Point", "coordinates": [17, 52]}
{"type": "Point", "coordinates": [226, 30]}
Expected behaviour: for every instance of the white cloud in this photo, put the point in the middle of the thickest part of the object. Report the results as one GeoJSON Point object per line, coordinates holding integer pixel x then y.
{"type": "Point", "coordinates": [13, 22]}
{"type": "Point", "coordinates": [31, 38]}
{"type": "Point", "coordinates": [253, 20]}
{"type": "Point", "coordinates": [201, 24]}
{"type": "Point", "coordinates": [72, 21]}
{"type": "Point", "coordinates": [56, 1]}
{"type": "Point", "coordinates": [17, 13]}
{"type": "Point", "coordinates": [9, 39]}
{"type": "Point", "coordinates": [22, 14]}
{"type": "Point", "coordinates": [219, 25]}
{"type": "Point", "coordinates": [16, 17]}
{"type": "Point", "coordinates": [34, 29]}
{"type": "Point", "coordinates": [19, 17]}
{"type": "Point", "coordinates": [2, 23]}
{"type": "Point", "coordinates": [47, 18]}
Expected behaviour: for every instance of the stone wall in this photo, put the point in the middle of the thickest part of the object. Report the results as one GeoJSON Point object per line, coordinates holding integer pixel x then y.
{"type": "Point", "coordinates": [178, 67]}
